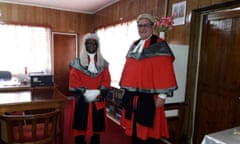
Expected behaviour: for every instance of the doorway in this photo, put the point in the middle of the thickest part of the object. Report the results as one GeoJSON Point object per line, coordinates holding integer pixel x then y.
{"type": "Point", "coordinates": [214, 69]}
{"type": "Point", "coordinates": [65, 46]}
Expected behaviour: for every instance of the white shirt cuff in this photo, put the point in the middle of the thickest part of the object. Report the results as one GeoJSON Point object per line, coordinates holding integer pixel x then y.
{"type": "Point", "coordinates": [162, 96]}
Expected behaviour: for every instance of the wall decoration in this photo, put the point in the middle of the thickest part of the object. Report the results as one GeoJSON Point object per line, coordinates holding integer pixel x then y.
{"type": "Point", "coordinates": [179, 13]}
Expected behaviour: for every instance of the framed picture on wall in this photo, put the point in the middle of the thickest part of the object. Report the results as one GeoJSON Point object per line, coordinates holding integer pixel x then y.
{"type": "Point", "coordinates": [179, 13]}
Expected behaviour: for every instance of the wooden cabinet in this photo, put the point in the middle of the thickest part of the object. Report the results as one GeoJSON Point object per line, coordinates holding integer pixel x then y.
{"type": "Point", "coordinates": [174, 113]}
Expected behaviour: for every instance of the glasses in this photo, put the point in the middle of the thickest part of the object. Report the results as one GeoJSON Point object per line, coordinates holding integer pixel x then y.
{"type": "Point", "coordinates": [144, 25]}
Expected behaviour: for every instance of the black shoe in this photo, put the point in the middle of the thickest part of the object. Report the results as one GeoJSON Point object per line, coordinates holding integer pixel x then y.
{"type": "Point", "coordinates": [80, 139]}
{"type": "Point", "coordinates": [95, 139]}
{"type": "Point", "coordinates": [80, 143]}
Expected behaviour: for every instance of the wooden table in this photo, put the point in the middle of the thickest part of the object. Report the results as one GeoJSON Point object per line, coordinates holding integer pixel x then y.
{"type": "Point", "coordinates": [34, 99]}
{"type": "Point", "coordinates": [13, 85]}
{"type": "Point", "coordinates": [229, 136]}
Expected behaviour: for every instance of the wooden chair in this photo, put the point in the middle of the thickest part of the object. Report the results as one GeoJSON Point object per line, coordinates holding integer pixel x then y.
{"type": "Point", "coordinates": [39, 128]}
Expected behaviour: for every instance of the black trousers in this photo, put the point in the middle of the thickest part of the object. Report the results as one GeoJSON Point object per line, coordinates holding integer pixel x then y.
{"type": "Point", "coordinates": [136, 140]}
{"type": "Point", "coordinates": [95, 139]}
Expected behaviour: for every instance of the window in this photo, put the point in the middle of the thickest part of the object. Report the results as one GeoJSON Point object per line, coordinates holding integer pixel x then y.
{"type": "Point", "coordinates": [115, 42]}
{"type": "Point", "coordinates": [25, 46]}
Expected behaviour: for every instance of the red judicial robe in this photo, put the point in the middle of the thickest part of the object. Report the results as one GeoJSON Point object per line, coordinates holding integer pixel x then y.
{"type": "Point", "coordinates": [145, 75]}
{"type": "Point", "coordinates": [88, 118]}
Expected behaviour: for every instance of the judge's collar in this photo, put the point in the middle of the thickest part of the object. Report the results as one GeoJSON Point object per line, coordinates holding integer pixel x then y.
{"type": "Point", "coordinates": [91, 54]}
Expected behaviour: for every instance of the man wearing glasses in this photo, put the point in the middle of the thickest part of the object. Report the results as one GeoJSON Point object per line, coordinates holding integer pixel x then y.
{"type": "Point", "coordinates": [148, 77]}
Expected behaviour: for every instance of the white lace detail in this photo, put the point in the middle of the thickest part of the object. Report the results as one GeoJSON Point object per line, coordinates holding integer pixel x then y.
{"type": "Point", "coordinates": [139, 47]}
{"type": "Point", "coordinates": [91, 66]}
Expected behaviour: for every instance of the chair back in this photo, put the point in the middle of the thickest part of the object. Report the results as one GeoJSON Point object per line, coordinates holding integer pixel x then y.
{"type": "Point", "coordinates": [40, 128]}
{"type": "Point", "coordinates": [5, 75]}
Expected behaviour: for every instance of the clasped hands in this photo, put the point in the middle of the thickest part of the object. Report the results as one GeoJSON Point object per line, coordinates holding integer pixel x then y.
{"type": "Point", "coordinates": [90, 95]}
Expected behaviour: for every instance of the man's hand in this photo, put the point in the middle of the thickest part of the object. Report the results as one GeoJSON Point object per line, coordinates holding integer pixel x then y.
{"type": "Point", "coordinates": [91, 95]}
{"type": "Point", "coordinates": [159, 102]}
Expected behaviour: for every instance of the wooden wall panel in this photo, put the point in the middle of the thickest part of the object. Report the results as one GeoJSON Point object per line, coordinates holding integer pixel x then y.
{"type": "Point", "coordinates": [60, 21]}
{"type": "Point", "coordinates": [129, 9]}
{"type": "Point", "coordinates": [123, 10]}
{"type": "Point", "coordinates": [126, 10]}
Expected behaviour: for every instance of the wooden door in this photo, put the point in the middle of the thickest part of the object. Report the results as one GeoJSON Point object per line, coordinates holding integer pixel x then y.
{"type": "Point", "coordinates": [65, 50]}
{"type": "Point", "coordinates": [218, 90]}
